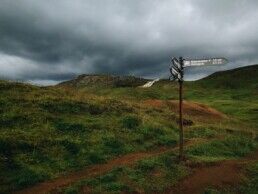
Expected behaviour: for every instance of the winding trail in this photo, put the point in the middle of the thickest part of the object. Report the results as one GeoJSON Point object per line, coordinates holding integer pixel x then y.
{"type": "Point", "coordinates": [218, 175]}
{"type": "Point", "coordinates": [95, 170]}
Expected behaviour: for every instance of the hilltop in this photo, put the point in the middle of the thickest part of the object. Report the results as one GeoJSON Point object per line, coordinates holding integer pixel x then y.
{"type": "Point", "coordinates": [86, 80]}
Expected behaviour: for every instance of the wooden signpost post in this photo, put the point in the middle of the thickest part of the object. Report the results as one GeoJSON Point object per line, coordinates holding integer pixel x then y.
{"type": "Point", "coordinates": [177, 74]}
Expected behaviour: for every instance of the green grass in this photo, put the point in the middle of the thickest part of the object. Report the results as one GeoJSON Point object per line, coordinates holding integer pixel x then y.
{"type": "Point", "coordinates": [202, 132]}
{"type": "Point", "coordinates": [46, 132]}
{"type": "Point", "coordinates": [228, 148]}
{"type": "Point", "coordinates": [152, 175]}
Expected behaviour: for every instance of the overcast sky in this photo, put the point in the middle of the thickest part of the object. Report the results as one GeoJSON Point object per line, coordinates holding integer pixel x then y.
{"type": "Point", "coordinates": [46, 41]}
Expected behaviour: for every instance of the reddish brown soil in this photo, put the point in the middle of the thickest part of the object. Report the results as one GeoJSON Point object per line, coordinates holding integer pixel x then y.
{"type": "Point", "coordinates": [96, 170]}
{"type": "Point", "coordinates": [189, 108]}
{"type": "Point", "coordinates": [154, 103]}
{"type": "Point", "coordinates": [227, 173]}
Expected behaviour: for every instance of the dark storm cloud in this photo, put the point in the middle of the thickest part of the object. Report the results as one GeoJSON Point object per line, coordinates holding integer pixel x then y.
{"type": "Point", "coordinates": [55, 40]}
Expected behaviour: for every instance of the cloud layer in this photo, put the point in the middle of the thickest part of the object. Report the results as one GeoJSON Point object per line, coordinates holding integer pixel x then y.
{"type": "Point", "coordinates": [56, 40]}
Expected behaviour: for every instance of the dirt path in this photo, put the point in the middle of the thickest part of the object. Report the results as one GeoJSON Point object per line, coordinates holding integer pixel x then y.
{"type": "Point", "coordinates": [192, 109]}
{"type": "Point", "coordinates": [96, 170]}
{"type": "Point", "coordinates": [219, 175]}
{"type": "Point", "coordinates": [226, 173]}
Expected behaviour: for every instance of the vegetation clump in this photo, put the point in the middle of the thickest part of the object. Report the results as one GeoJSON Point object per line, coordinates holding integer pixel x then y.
{"type": "Point", "coordinates": [131, 122]}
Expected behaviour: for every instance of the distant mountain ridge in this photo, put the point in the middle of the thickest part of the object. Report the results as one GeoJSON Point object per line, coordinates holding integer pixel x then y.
{"type": "Point", "coordinates": [86, 80]}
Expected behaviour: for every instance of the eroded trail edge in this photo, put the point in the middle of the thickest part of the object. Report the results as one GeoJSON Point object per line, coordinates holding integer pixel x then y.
{"type": "Point", "coordinates": [224, 173]}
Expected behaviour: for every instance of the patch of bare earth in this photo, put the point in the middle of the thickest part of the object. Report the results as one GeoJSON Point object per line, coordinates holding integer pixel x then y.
{"type": "Point", "coordinates": [226, 173]}
{"type": "Point", "coordinates": [191, 109]}
{"type": "Point", "coordinates": [154, 103]}
{"type": "Point", "coordinates": [220, 175]}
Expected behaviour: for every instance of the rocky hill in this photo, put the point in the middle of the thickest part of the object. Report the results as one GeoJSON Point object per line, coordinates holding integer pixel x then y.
{"type": "Point", "coordinates": [86, 80]}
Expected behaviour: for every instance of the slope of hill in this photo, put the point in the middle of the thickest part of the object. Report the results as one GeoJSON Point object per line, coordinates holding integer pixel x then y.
{"type": "Point", "coordinates": [46, 132]}
{"type": "Point", "coordinates": [243, 77]}
{"type": "Point", "coordinates": [104, 81]}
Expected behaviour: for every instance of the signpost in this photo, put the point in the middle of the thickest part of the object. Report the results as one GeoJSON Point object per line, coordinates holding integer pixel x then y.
{"type": "Point", "coordinates": [177, 74]}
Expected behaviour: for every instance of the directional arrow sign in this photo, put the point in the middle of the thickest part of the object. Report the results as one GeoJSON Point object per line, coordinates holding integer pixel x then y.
{"type": "Point", "coordinates": [201, 62]}
{"type": "Point", "coordinates": [176, 68]}
{"type": "Point", "coordinates": [177, 74]}
{"type": "Point", "coordinates": [176, 63]}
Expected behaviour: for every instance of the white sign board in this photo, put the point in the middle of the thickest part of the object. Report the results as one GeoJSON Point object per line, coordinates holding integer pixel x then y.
{"type": "Point", "coordinates": [201, 62]}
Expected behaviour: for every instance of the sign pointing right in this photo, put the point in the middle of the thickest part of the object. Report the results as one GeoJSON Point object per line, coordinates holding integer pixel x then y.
{"type": "Point", "coordinates": [201, 62]}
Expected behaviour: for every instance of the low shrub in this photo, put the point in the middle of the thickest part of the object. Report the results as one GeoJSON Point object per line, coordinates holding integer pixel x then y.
{"type": "Point", "coordinates": [69, 127]}
{"type": "Point", "coordinates": [117, 187]}
{"type": "Point", "coordinates": [62, 106]}
{"type": "Point", "coordinates": [26, 177]}
{"type": "Point", "coordinates": [95, 109]}
{"type": "Point", "coordinates": [114, 145]}
{"type": "Point", "coordinates": [151, 132]}
{"type": "Point", "coordinates": [131, 122]}
{"type": "Point", "coordinates": [12, 145]}
{"type": "Point", "coordinates": [12, 120]}
{"type": "Point", "coordinates": [147, 165]}
{"type": "Point", "coordinates": [95, 157]}
{"type": "Point", "coordinates": [70, 146]}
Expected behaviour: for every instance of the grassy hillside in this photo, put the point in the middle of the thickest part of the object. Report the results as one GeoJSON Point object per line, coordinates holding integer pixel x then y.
{"type": "Point", "coordinates": [46, 132]}
{"type": "Point", "coordinates": [243, 78]}
{"type": "Point", "coordinates": [233, 92]}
